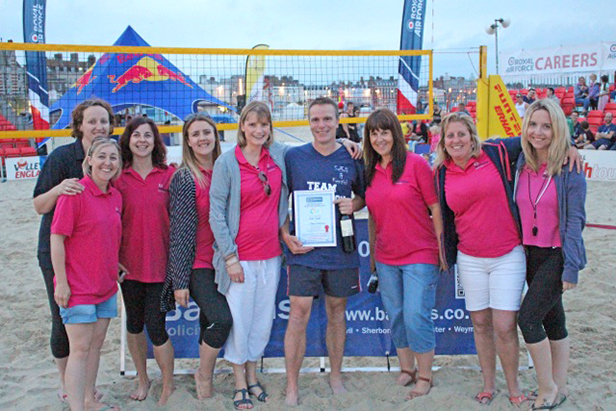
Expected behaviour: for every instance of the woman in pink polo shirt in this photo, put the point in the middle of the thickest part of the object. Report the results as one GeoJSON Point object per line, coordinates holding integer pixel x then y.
{"type": "Point", "coordinates": [482, 235]}
{"type": "Point", "coordinates": [85, 241]}
{"type": "Point", "coordinates": [551, 202]}
{"type": "Point", "coordinates": [401, 193]}
{"type": "Point", "coordinates": [190, 271]}
{"type": "Point", "coordinates": [144, 185]}
{"type": "Point", "coordinates": [249, 203]}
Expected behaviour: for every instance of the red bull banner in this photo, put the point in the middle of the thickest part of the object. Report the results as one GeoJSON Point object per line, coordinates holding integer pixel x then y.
{"type": "Point", "coordinates": [132, 79]}
{"type": "Point", "coordinates": [411, 38]}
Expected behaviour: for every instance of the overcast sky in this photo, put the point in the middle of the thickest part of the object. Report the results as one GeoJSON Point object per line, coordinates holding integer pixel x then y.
{"type": "Point", "coordinates": [323, 24]}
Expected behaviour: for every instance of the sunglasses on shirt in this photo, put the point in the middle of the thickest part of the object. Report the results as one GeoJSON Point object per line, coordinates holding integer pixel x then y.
{"type": "Point", "coordinates": [265, 182]}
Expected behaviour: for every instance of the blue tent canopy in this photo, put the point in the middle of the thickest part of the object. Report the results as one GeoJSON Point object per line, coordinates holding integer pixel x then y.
{"type": "Point", "coordinates": [126, 80]}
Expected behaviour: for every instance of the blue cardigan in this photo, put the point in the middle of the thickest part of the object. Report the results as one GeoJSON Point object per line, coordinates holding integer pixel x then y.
{"type": "Point", "coordinates": [571, 193]}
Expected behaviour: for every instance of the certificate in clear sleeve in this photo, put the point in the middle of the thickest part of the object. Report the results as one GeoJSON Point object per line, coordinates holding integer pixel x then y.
{"type": "Point", "coordinates": [314, 213]}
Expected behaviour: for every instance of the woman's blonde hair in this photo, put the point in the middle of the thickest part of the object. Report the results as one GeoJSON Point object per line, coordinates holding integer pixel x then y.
{"type": "Point", "coordinates": [263, 113]}
{"type": "Point", "coordinates": [97, 144]}
{"type": "Point", "coordinates": [189, 160]}
{"type": "Point", "coordinates": [441, 152]}
{"type": "Point", "coordinates": [561, 139]}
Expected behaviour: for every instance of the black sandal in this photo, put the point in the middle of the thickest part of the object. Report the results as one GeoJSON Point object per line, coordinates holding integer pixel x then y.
{"type": "Point", "coordinates": [261, 397]}
{"type": "Point", "coordinates": [244, 401]}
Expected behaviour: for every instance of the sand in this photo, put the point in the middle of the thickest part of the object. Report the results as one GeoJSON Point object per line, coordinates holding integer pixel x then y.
{"type": "Point", "coordinates": [28, 376]}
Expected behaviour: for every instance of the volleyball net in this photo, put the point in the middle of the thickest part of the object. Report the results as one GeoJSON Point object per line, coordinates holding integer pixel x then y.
{"type": "Point", "coordinates": [167, 84]}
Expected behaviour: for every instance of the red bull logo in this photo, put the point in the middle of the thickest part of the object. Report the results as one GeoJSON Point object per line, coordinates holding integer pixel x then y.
{"type": "Point", "coordinates": [146, 69]}
{"type": "Point", "coordinates": [85, 79]}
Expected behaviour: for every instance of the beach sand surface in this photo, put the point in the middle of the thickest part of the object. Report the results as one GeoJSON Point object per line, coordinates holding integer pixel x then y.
{"type": "Point", "coordinates": [29, 380]}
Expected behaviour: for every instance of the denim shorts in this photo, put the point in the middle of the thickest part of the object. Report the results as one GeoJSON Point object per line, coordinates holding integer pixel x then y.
{"type": "Point", "coordinates": [409, 295]}
{"type": "Point", "coordinates": [89, 313]}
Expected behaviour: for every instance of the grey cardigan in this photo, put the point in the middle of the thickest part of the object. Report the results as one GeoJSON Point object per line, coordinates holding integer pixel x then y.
{"type": "Point", "coordinates": [225, 196]}
{"type": "Point", "coordinates": [571, 193]}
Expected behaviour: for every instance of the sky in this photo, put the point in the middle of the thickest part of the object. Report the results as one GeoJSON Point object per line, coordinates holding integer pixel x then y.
{"type": "Point", "coordinates": [450, 26]}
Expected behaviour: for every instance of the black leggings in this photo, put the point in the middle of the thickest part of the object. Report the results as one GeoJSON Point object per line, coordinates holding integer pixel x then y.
{"type": "Point", "coordinates": [59, 339]}
{"type": "Point", "coordinates": [214, 317]}
{"type": "Point", "coordinates": [142, 302]}
{"type": "Point", "coordinates": [542, 314]}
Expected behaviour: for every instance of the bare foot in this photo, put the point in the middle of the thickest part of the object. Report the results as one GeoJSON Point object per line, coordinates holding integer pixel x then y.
{"type": "Point", "coordinates": [141, 393]}
{"type": "Point", "coordinates": [292, 397]}
{"type": "Point", "coordinates": [546, 397]}
{"type": "Point", "coordinates": [98, 395]}
{"type": "Point", "coordinates": [204, 385]}
{"type": "Point", "coordinates": [164, 396]}
{"type": "Point", "coordinates": [97, 406]}
{"type": "Point", "coordinates": [335, 382]}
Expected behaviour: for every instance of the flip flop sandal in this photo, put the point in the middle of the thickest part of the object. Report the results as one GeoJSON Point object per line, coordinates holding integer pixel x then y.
{"type": "Point", "coordinates": [261, 397]}
{"type": "Point", "coordinates": [244, 401]}
{"type": "Point", "coordinates": [412, 374]}
{"type": "Point", "coordinates": [560, 398]}
{"type": "Point", "coordinates": [485, 396]}
{"type": "Point", "coordinates": [519, 400]}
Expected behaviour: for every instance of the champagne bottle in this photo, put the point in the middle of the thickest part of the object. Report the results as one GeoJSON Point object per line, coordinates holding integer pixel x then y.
{"type": "Point", "coordinates": [348, 235]}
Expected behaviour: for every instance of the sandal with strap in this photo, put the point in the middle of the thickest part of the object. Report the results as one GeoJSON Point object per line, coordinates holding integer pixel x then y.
{"type": "Point", "coordinates": [519, 399]}
{"type": "Point", "coordinates": [414, 394]}
{"type": "Point", "coordinates": [261, 397]}
{"type": "Point", "coordinates": [244, 401]}
{"type": "Point", "coordinates": [412, 374]}
{"type": "Point", "coordinates": [485, 397]}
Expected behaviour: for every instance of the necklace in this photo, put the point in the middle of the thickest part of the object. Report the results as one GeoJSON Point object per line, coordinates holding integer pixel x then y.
{"type": "Point", "coordinates": [542, 190]}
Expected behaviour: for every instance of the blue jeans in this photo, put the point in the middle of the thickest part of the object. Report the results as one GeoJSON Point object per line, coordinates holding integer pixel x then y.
{"type": "Point", "coordinates": [409, 295]}
{"type": "Point", "coordinates": [584, 100]}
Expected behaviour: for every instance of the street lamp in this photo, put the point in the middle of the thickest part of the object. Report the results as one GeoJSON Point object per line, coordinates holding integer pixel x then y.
{"type": "Point", "coordinates": [493, 29]}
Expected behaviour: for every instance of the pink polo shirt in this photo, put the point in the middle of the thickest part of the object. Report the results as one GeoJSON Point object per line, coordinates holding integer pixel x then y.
{"type": "Point", "coordinates": [257, 238]}
{"type": "Point", "coordinates": [547, 221]}
{"type": "Point", "coordinates": [404, 228]}
{"type": "Point", "coordinates": [145, 223]}
{"type": "Point", "coordinates": [92, 225]}
{"type": "Point", "coordinates": [476, 195]}
{"type": "Point", "coordinates": [204, 253]}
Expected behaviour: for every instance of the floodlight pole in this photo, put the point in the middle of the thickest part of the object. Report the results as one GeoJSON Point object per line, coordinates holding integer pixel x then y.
{"type": "Point", "coordinates": [493, 29]}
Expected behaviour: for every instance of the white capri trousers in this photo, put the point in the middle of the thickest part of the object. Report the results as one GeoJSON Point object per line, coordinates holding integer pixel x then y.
{"type": "Point", "coordinates": [493, 282]}
{"type": "Point", "coordinates": [253, 307]}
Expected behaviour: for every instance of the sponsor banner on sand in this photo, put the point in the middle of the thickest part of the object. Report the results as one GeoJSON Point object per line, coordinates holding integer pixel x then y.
{"type": "Point", "coordinates": [368, 328]}
{"type": "Point", "coordinates": [23, 168]}
{"type": "Point", "coordinates": [599, 165]}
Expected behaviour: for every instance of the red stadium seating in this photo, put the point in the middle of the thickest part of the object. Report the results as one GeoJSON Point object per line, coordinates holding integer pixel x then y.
{"type": "Point", "coordinates": [27, 151]}
{"type": "Point", "coordinates": [595, 113]}
{"type": "Point", "coordinates": [594, 129]}
{"type": "Point", "coordinates": [613, 111]}
{"type": "Point", "coordinates": [12, 152]}
{"type": "Point", "coordinates": [595, 121]}
{"type": "Point", "coordinates": [610, 106]}
{"type": "Point", "coordinates": [22, 143]}
{"type": "Point", "coordinates": [568, 109]}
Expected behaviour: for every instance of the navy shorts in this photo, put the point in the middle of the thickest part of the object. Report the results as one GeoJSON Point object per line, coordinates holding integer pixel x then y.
{"type": "Point", "coordinates": [307, 281]}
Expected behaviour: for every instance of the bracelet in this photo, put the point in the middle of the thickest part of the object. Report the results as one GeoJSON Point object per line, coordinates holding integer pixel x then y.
{"type": "Point", "coordinates": [232, 260]}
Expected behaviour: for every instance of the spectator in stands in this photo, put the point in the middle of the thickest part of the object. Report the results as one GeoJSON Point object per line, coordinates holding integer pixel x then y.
{"type": "Point", "coordinates": [551, 96]}
{"type": "Point", "coordinates": [593, 92]}
{"type": "Point", "coordinates": [419, 131]}
{"type": "Point", "coordinates": [572, 123]}
{"type": "Point", "coordinates": [462, 109]}
{"type": "Point", "coordinates": [531, 96]}
{"type": "Point", "coordinates": [520, 105]}
{"type": "Point", "coordinates": [348, 130]}
{"type": "Point", "coordinates": [60, 176]}
{"type": "Point", "coordinates": [606, 135]}
{"type": "Point", "coordinates": [604, 92]}
{"type": "Point", "coordinates": [583, 134]}
{"type": "Point", "coordinates": [437, 114]}
{"type": "Point", "coordinates": [581, 93]}
{"type": "Point", "coordinates": [407, 262]}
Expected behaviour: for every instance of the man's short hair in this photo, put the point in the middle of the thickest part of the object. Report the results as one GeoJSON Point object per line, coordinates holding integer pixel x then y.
{"type": "Point", "coordinates": [321, 101]}
{"type": "Point", "coordinates": [584, 124]}
{"type": "Point", "coordinates": [551, 89]}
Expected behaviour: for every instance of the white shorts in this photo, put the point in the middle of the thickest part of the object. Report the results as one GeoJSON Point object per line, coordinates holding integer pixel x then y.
{"type": "Point", "coordinates": [493, 282]}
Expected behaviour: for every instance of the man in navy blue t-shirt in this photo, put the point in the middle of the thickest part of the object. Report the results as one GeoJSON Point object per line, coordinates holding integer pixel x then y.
{"type": "Point", "coordinates": [321, 165]}
{"type": "Point", "coordinates": [606, 134]}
